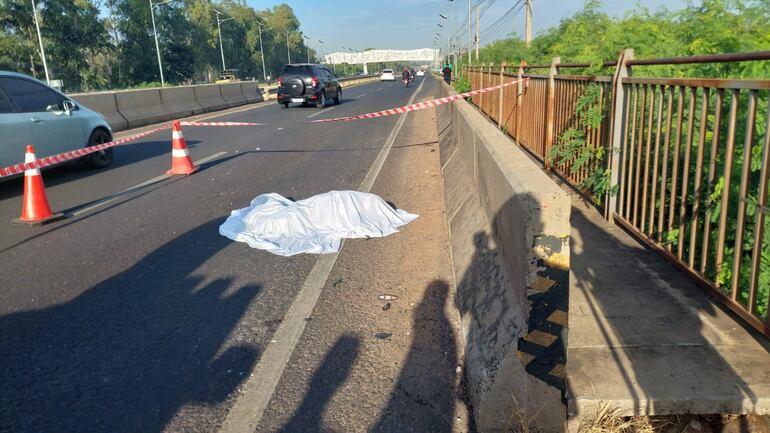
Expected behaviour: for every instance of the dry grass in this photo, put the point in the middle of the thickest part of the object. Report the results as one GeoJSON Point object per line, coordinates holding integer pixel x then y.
{"type": "Point", "coordinates": [608, 419]}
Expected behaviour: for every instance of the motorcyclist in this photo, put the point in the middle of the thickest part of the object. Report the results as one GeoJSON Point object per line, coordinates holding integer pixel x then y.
{"type": "Point", "coordinates": [405, 75]}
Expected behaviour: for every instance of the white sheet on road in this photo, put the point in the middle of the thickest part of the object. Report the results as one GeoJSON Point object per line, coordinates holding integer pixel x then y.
{"type": "Point", "coordinates": [315, 225]}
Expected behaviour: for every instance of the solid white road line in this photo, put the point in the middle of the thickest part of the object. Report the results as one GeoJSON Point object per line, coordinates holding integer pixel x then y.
{"type": "Point", "coordinates": [362, 95]}
{"type": "Point", "coordinates": [249, 407]}
{"type": "Point", "coordinates": [116, 196]}
{"type": "Point", "coordinates": [325, 110]}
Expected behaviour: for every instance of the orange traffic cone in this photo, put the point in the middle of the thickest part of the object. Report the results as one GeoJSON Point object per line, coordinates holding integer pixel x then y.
{"type": "Point", "coordinates": [35, 210]}
{"type": "Point", "coordinates": [180, 155]}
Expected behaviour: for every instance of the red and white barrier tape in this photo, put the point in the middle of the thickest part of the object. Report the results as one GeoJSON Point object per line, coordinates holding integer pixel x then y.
{"type": "Point", "coordinates": [74, 154]}
{"type": "Point", "coordinates": [420, 105]}
{"type": "Point", "coordinates": [192, 123]}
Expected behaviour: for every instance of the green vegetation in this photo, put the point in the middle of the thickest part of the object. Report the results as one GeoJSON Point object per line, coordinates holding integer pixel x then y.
{"type": "Point", "coordinates": [703, 27]}
{"type": "Point", "coordinates": [707, 27]}
{"type": "Point", "coordinates": [95, 44]}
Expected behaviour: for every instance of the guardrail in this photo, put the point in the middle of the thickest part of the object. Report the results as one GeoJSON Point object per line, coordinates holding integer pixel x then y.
{"type": "Point", "coordinates": [689, 160]}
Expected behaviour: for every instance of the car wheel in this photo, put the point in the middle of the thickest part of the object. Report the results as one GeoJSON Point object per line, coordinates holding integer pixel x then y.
{"type": "Point", "coordinates": [285, 105]}
{"type": "Point", "coordinates": [321, 100]}
{"type": "Point", "coordinates": [100, 158]}
{"type": "Point", "coordinates": [338, 99]}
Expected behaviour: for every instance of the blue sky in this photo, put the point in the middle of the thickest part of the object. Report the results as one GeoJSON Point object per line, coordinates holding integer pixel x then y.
{"type": "Point", "coordinates": [407, 24]}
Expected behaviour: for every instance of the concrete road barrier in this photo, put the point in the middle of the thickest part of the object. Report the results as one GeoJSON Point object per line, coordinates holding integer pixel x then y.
{"type": "Point", "coordinates": [508, 220]}
{"type": "Point", "coordinates": [104, 103]}
{"type": "Point", "coordinates": [232, 94]}
{"type": "Point", "coordinates": [209, 97]}
{"type": "Point", "coordinates": [180, 101]}
{"type": "Point", "coordinates": [141, 107]}
{"type": "Point", "coordinates": [251, 92]}
{"type": "Point", "coordinates": [133, 108]}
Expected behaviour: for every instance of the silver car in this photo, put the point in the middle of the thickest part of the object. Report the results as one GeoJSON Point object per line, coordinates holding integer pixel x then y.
{"type": "Point", "coordinates": [34, 113]}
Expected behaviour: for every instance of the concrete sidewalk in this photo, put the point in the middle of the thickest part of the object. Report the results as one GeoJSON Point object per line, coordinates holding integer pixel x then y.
{"type": "Point", "coordinates": [645, 339]}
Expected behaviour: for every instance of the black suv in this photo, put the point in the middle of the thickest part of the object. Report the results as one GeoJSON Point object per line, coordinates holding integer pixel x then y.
{"type": "Point", "coordinates": [306, 83]}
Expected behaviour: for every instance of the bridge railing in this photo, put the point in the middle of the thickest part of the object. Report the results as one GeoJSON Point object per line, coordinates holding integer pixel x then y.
{"type": "Point", "coordinates": [688, 160]}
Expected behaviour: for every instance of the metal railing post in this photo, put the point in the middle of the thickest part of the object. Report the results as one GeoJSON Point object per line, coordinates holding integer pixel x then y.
{"type": "Point", "coordinates": [550, 109]}
{"type": "Point", "coordinates": [617, 128]}
{"type": "Point", "coordinates": [481, 86]}
{"type": "Point", "coordinates": [501, 100]}
{"type": "Point", "coordinates": [519, 101]}
{"type": "Point", "coordinates": [491, 80]}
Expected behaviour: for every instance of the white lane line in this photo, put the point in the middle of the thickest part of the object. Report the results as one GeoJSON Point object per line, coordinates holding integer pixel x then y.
{"type": "Point", "coordinates": [362, 95]}
{"type": "Point", "coordinates": [248, 409]}
{"type": "Point", "coordinates": [117, 195]}
{"type": "Point", "coordinates": [325, 110]}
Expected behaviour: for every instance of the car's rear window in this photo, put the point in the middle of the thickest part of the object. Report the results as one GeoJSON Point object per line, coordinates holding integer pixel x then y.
{"type": "Point", "coordinates": [387, 71]}
{"type": "Point", "coordinates": [290, 70]}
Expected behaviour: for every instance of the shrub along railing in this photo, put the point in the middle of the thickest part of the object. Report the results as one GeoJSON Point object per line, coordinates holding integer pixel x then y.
{"type": "Point", "coordinates": [681, 163]}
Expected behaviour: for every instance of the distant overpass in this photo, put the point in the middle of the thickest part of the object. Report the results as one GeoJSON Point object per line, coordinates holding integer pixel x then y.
{"type": "Point", "coordinates": [422, 55]}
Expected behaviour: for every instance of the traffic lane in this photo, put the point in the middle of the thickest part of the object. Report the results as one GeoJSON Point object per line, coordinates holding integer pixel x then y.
{"type": "Point", "coordinates": [71, 187]}
{"type": "Point", "coordinates": [150, 325]}
{"type": "Point", "coordinates": [158, 146]}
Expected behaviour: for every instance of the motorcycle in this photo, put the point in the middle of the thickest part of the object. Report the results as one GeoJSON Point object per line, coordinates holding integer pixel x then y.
{"type": "Point", "coordinates": [406, 82]}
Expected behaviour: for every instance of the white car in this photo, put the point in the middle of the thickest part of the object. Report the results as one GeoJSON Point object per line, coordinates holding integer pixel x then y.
{"type": "Point", "coordinates": [420, 73]}
{"type": "Point", "coordinates": [387, 75]}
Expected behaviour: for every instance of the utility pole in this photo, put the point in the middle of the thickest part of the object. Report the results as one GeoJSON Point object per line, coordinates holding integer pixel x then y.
{"type": "Point", "coordinates": [478, 42]}
{"type": "Point", "coordinates": [470, 33]}
{"type": "Point", "coordinates": [288, 53]}
{"type": "Point", "coordinates": [40, 40]}
{"type": "Point", "coordinates": [528, 24]}
{"type": "Point", "coordinates": [307, 47]}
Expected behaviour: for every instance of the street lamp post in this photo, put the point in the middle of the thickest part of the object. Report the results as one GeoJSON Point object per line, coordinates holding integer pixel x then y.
{"type": "Point", "coordinates": [334, 69]}
{"type": "Point", "coordinates": [219, 30]}
{"type": "Point", "coordinates": [262, 52]}
{"type": "Point", "coordinates": [307, 47]}
{"type": "Point", "coordinates": [40, 41]}
{"type": "Point", "coordinates": [155, 33]}
{"type": "Point", "coordinates": [288, 52]}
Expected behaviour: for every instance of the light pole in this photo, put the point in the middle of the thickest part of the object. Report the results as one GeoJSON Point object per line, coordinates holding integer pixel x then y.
{"type": "Point", "coordinates": [219, 30]}
{"type": "Point", "coordinates": [262, 52]}
{"type": "Point", "coordinates": [446, 50]}
{"type": "Point", "coordinates": [346, 63]}
{"type": "Point", "coordinates": [351, 50]}
{"type": "Point", "coordinates": [307, 47]}
{"type": "Point", "coordinates": [334, 68]}
{"type": "Point", "coordinates": [288, 53]}
{"type": "Point", "coordinates": [40, 41]}
{"type": "Point", "coordinates": [155, 33]}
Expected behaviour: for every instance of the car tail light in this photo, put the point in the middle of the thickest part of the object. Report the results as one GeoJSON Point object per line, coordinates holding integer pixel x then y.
{"type": "Point", "coordinates": [280, 81]}
{"type": "Point", "coordinates": [314, 82]}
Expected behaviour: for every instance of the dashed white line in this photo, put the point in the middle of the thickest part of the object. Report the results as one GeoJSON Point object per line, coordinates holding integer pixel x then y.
{"type": "Point", "coordinates": [325, 110]}
{"type": "Point", "coordinates": [117, 195]}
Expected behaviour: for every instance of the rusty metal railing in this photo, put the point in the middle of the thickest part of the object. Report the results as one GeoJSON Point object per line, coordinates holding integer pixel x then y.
{"type": "Point", "coordinates": [690, 159]}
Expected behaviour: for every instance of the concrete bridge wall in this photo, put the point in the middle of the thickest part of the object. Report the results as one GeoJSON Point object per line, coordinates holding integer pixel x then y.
{"type": "Point", "coordinates": [507, 220]}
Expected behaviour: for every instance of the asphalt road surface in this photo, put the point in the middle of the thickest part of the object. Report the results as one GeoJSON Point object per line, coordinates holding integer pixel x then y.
{"type": "Point", "coordinates": [133, 310]}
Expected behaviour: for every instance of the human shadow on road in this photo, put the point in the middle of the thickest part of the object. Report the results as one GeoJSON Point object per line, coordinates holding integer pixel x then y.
{"type": "Point", "coordinates": [74, 170]}
{"type": "Point", "coordinates": [330, 375]}
{"type": "Point", "coordinates": [424, 396]}
{"type": "Point", "coordinates": [127, 354]}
